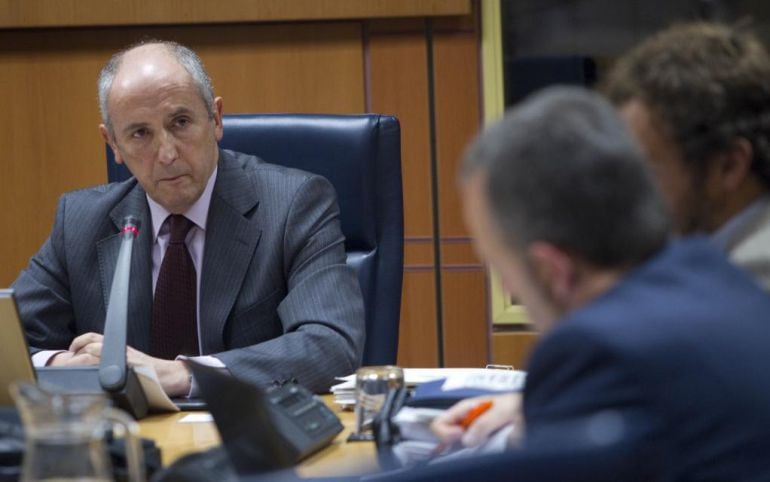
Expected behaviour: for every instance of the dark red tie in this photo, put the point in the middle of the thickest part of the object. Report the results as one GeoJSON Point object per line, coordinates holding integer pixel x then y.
{"type": "Point", "coordinates": [174, 328]}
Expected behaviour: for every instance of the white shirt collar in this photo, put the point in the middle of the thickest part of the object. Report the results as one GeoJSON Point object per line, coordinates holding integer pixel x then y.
{"type": "Point", "coordinates": [198, 212]}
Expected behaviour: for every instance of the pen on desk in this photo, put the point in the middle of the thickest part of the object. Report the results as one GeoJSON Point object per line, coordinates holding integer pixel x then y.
{"type": "Point", "coordinates": [466, 422]}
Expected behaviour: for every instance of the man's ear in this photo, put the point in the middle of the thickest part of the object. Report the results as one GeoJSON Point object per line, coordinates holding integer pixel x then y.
{"type": "Point", "coordinates": [556, 270]}
{"type": "Point", "coordinates": [110, 141]}
{"type": "Point", "coordinates": [734, 165]}
{"type": "Point", "coordinates": [218, 127]}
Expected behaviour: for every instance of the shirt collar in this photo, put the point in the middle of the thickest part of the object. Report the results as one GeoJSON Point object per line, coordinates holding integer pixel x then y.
{"type": "Point", "coordinates": [198, 212]}
{"type": "Point", "coordinates": [723, 236]}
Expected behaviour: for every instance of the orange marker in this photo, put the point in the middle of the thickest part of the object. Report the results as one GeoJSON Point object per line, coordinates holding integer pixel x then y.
{"type": "Point", "coordinates": [466, 422]}
{"type": "Point", "coordinates": [475, 413]}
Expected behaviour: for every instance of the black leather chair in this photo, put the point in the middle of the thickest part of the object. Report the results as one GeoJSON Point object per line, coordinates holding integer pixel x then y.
{"type": "Point", "coordinates": [361, 156]}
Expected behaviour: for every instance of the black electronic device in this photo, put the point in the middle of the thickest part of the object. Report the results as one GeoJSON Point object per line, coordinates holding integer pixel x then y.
{"type": "Point", "coordinates": [265, 429]}
{"type": "Point", "coordinates": [12, 446]}
{"type": "Point", "coordinates": [386, 432]}
{"type": "Point", "coordinates": [302, 418]}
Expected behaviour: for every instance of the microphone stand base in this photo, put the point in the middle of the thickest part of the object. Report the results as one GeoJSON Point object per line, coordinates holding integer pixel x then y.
{"type": "Point", "coordinates": [85, 380]}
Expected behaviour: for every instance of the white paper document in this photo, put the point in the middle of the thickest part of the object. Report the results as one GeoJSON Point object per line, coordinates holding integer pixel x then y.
{"type": "Point", "coordinates": [197, 418]}
{"type": "Point", "coordinates": [494, 380]}
{"type": "Point", "coordinates": [414, 423]}
{"type": "Point", "coordinates": [157, 399]}
{"type": "Point", "coordinates": [411, 452]}
{"type": "Point", "coordinates": [456, 378]}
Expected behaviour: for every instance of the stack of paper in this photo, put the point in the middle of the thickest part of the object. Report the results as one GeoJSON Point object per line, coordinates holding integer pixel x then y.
{"type": "Point", "coordinates": [345, 392]}
{"type": "Point", "coordinates": [419, 445]}
{"type": "Point", "coordinates": [414, 423]}
{"type": "Point", "coordinates": [157, 400]}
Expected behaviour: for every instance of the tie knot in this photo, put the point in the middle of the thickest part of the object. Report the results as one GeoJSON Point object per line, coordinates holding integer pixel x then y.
{"type": "Point", "coordinates": [179, 226]}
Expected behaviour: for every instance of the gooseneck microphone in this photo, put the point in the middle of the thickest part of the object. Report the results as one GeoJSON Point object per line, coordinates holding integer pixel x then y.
{"type": "Point", "coordinates": [112, 375]}
{"type": "Point", "coordinates": [112, 369]}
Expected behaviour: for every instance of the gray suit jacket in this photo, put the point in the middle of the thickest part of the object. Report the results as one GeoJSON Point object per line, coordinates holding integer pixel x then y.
{"type": "Point", "coordinates": [277, 299]}
{"type": "Point", "coordinates": [749, 246]}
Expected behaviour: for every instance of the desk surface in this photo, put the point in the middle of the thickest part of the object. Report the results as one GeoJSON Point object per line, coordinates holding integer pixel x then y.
{"type": "Point", "coordinates": [340, 458]}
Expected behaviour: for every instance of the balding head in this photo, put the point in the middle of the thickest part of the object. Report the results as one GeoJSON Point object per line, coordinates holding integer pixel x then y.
{"type": "Point", "coordinates": [159, 122]}
{"type": "Point", "coordinates": [150, 58]}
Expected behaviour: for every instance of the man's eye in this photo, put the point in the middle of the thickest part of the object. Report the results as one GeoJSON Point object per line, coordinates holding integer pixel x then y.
{"type": "Point", "coordinates": [182, 122]}
{"type": "Point", "coordinates": [139, 133]}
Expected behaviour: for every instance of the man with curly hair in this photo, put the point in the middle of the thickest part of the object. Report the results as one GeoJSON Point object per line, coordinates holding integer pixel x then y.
{"type": "Point", "coordinates": [697, 97]}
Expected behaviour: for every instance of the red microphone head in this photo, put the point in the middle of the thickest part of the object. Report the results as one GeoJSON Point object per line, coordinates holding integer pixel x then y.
{"type": "Point", "coordinates": [131, 224]}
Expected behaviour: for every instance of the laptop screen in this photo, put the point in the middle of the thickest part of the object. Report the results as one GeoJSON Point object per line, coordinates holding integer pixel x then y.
{"type": "Point", "coordinates": [14, 355]}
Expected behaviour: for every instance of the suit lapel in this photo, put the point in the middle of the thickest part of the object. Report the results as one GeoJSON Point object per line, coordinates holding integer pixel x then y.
{"type": "Point", "coordinates": [231, 239]}
{"type": "Point", "coordinates": [140, 285]}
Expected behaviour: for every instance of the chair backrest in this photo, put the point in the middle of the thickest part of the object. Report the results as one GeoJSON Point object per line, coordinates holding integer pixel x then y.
{"type": "Point", "coordinates": [361, 156]}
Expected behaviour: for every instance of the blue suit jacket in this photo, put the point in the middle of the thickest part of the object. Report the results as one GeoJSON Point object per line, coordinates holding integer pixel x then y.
{"type": "Point", "coordinates": [277, 299]}
{"type": "Point", "coordinates": [674, 359]}
{"type": "Point", "coordinates": [664, 377]}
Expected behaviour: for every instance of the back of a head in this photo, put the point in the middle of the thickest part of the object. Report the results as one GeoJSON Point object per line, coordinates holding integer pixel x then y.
{"type": "Point", "coordinates": [709, 85]}
{"type": "Point", "coordinates": [561, 168]}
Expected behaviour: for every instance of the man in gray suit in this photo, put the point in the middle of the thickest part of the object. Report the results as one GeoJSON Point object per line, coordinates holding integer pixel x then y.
{"type": "Point", "coordinates": [271, 297]}
{"type": "Point", "coordinates": [697, 97]}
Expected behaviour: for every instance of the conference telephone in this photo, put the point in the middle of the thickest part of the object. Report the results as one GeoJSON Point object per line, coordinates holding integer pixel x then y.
{"type": "Point", "coordinates": [302, 418]}
{"type": "Point", "coordinates": [265, 429]}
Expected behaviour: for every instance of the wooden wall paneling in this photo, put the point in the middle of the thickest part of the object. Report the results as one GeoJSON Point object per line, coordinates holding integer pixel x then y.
{"type": "Point", "coordinates": [466, 23]}
{"type": "Point", "coordinates": [454, 24]}
{"type": "Point", "coordinates": [52, 13]}
{"type": "Point", "coordinates": [418, 338]}
{"type": "Point", "coordinates": [315, 68]}
{"type": "Point", "coordinates": [465, 299]}
{"type": "Point", "coordinates": [459, 251]}
{"type": "Point", "coordinates": [417, 341]}
{"type": "Point", "coordinates": [418, 253]}
{"type": "Point", "coordinates": [513, 348]}
{"type": "Point", "coordinates": [50, 126]}
{"type": "Point", "coordinates": [397, 84]}
{"type": "Point", "coordinates": [397, 26]}
{"type": "Point", "coordinates": [463, 277]}
{"type": "Point", "coordinates": [49, 137]}
{"type": "Point", "coordinates": [458, 118]}
{"type": "Point", "coordinates": [466, 334]}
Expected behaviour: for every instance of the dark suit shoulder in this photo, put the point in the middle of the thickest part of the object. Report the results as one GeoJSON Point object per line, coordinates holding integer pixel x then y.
{"type": "Point", "coordinates": [673, 322]}
{"type": "Point", "coordinates": [272, 182]}
{"type": "Point", "coordinates": [95, 201]}
{"type": "Point", "coordinates": [232, 160]}
{"type": "Point", "coordinates": [101, 193]}
{"type": "Point", "coordinates": [688, 287]}
{"type": "Point", "coordinates": [683, 337]}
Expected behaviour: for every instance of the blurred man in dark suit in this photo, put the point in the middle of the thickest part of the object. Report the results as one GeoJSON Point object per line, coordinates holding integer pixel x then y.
{"type": "Point", "coordinates": [659, 346]}
{"type": "Point", "coordinates": [697, 97]}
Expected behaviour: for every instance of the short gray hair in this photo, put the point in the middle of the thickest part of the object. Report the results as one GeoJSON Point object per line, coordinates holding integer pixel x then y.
{"type": "Point", "coordinates": [188, 59]}
{"type": "Point", "coordinates": [561, 168]}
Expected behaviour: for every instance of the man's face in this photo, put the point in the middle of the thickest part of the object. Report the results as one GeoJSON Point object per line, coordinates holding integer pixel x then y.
{"type": "Point", "coordinates": [517, 278]}
{"type": "Point", "coordinates": [683, 191]}
{"type": "Point", "coordinates": [161, 128]}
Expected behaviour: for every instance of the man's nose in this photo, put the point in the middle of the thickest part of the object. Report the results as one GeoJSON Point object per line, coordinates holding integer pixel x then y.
{"type": "Point", "coordinates": [167, 152]}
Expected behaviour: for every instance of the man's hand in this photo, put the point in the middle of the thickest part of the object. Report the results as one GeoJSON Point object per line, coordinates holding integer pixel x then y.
{"type": "Point", "coordinates": [68, 358]}
{"type": "Point", "coordinates": [506, 409]}
{"type": "Point", "coordinates": [86, 349]}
